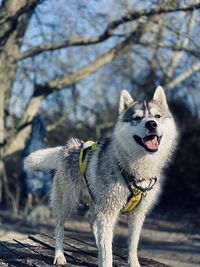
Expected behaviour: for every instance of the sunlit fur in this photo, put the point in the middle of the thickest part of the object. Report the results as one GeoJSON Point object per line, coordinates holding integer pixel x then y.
{"type": "Point", "coordinates": [104, 177]}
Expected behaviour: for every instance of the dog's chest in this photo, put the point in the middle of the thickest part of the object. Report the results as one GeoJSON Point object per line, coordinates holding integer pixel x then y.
{"type": "Point", "coordinates": [145, 170]}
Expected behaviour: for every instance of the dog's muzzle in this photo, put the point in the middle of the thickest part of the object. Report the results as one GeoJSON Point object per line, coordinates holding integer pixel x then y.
{"type": "Point", "coordinates": [150, 142]}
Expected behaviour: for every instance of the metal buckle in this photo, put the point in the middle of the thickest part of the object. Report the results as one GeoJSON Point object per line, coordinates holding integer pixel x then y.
{"type": "Point", "coordinates": [148, 188]}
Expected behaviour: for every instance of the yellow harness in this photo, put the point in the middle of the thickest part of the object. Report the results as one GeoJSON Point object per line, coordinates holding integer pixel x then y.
{"type": "Point", "coordinates": [133, 201]}
{"type": "Point", "coordinates": [87, 147]}
{"type": "Point", "coordinates": [90, 146]}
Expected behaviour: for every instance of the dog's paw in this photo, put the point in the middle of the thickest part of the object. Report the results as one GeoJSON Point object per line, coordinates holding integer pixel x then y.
{"type": "Point", "coordinates": [134, 263]}
{"type": "Point", "coordinates": [59, 258]}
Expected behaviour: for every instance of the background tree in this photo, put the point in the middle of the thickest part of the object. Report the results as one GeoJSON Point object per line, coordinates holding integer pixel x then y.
{"type": "Point", "coordinates": [69, 60]}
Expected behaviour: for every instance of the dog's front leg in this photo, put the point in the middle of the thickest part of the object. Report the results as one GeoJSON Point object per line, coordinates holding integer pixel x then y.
{"type": "Point", "coordinates": [103, 230]}
{"type": "Point", "coordinates": [135, 221]}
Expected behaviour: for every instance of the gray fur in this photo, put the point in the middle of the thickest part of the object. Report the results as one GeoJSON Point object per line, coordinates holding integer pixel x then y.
{"type": "Point", "coordinates": [131, 110]}
{"type": "Point", "coordinates": [105, 179]}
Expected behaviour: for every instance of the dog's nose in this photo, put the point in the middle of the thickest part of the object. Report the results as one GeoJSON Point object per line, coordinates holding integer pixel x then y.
{"type": "Point", "coordinates": [151, 125]}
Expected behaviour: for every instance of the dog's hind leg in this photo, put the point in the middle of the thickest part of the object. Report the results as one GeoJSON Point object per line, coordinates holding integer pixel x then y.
{"type": "Point", "coordinates": [59, 236]}
{"type": "Point", "coordinates": [91, 218]}
{"type": "Point", "coordinates": [64, 203]}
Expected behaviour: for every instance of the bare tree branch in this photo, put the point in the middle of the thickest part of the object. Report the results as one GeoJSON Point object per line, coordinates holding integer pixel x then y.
{"type": "Point", "coordinates": [175, 47]}
{"type": "Point", "coordinates": [16, 141]}
{"type": "Point", "coordinates": [183, 76]}
{"type": "Point", "coordinates": [148, 13]}
{"type": "Point", "coordinates": [177, 55]}
{"type": "Point", "coordinates": [78, 41]}
{"type": "Point", "coordinates": [69, 79]}
{"type": "Point", "coordinates": [73, 41]}
{"type": "Point", "coordinates": [9, 20]}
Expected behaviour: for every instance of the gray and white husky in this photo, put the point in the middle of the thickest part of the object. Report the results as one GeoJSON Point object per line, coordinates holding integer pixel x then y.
{"type": "Point", "coordinates": [142, 142]}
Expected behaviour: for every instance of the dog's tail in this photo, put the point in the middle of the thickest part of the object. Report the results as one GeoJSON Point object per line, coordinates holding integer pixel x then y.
{"type": "Point", "coordinates": [44, 159]}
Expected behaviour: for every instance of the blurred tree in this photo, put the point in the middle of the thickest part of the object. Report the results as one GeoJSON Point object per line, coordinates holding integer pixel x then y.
{"type": "Point", "coordinates": [47, 46]}
{"type": "Point", "coordinates": [36, 183]}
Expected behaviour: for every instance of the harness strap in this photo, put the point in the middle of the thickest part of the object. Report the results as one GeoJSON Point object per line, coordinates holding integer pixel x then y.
{"type": "Point", "coordinates": [137, 192]}
{"type": "Point", "coordinates": [133, 201]}
{"type": "Point", "coordinates": [87, 147]}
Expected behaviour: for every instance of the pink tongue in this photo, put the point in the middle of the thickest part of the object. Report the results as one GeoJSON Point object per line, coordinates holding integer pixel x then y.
{"type": "Point", "coordinates": [152, 143]}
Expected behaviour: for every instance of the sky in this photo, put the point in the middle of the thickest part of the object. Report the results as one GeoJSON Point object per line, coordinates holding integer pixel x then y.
{"type": "Point", "coordinates": [57, 21]}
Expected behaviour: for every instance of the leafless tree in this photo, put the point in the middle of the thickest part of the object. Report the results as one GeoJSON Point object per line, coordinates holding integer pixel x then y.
{"type": "Point", "coordinates": [116, 39]}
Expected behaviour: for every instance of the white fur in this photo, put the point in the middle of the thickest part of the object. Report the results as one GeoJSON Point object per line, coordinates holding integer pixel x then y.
{"type": "Point", "coordinates": [125, 100]}
{"type": "Point", "coordinates": [110, 196]}
{"type": "Point", "coordinates": [44, 159]}
{"type": "Point", "coordinates": [159, 97]}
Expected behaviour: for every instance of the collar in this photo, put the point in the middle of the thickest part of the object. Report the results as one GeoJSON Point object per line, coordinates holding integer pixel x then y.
{"type": "Point", "coordinates": [132, 181]}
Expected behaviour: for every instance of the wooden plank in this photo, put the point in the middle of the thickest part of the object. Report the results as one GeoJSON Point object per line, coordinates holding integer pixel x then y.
{"type": "Point", "coordinates": [122, 253]}
{"type": "Point", "coordinates": [25, 253]}
{"type": "Point", "coordinates": [77, 245]}
{"type": "Point", "coordinates": [10, 256]}
{"type": "Point", "coordinates": [34, 254]}
{"type": "Point", "coordinates": [74, 257]}
{"type": "Point", "coordinates": [88, 239]}
{"type": "Point", "coordinates": [38, 251]}
{"type": "Point", "coordinates": [92, 249]}
{"type": "Point", "coordinates": [85, 253]}
{"type": "Point", "coordinates": [151, 263]}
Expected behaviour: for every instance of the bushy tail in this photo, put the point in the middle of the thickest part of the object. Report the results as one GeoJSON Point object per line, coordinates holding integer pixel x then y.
{"type": "Point", "coordinates": [44, 159]}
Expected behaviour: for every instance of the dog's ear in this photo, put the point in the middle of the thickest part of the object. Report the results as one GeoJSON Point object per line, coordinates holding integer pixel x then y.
{"type": "Point", "coordinates": [125, 100]}
{"type": "Point", "coordinates": [160, 98]}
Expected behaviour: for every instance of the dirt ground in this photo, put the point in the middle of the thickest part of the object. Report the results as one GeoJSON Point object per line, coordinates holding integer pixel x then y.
{"type": "Point", "coordinates": [173, 238]}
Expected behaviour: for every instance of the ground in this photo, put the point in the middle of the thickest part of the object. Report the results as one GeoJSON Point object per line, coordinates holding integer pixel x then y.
{"type": "Point", "coordinates": [172, 238]}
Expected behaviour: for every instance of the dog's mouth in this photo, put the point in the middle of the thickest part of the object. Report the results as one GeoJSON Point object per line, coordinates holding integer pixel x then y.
{"type": "Point", "coordinates": [150, 142]}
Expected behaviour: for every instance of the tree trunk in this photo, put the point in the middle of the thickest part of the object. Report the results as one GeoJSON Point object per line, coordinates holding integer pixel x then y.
{"type": "Point", "coordinates": [15, 15]}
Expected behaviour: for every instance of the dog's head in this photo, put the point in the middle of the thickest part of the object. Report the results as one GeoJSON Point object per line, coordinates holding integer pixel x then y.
{"type": "Point", "coordinates": [144, 125]}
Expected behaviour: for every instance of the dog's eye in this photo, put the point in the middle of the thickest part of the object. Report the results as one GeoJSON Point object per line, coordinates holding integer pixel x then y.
{"type": "Point", "coordinates": [137, 118]}
{"type": "Point", "coordinates": [157, 116]}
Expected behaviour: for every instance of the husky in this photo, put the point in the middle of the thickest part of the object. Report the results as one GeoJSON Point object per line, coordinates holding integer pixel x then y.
{"type": "Point", "coordinates": [142, 142]}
